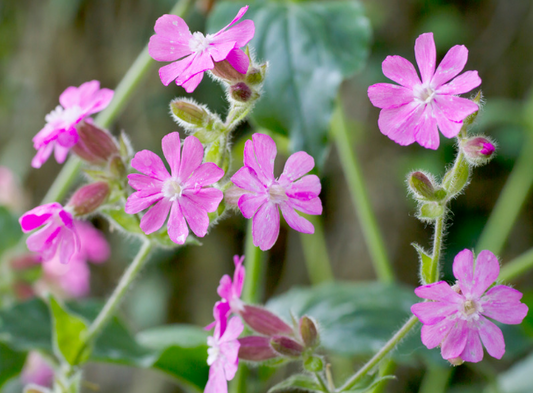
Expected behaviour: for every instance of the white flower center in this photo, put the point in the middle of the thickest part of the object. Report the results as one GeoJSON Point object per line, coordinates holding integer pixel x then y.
{"type": "Point", "coordinates": [198, 43]}
{"type": "Point", "coordinates": [60, 114]}
{"type": "Point", "coordinates": [470, 310]}
{"type": "Point", "coordinates": [277, 193]}
{"type": "Point", "coordinates": [213, 352]}
{"type": "Point", "coordinates": [171, 189]}
{"type": "Point", "coordinates": [424, 94]}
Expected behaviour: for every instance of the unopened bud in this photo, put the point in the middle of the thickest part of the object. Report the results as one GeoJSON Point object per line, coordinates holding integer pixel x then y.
{"type": "Point", "coordinates": [309, 332]}
{"type": "Point", "coordinates": [96, 146]}
{"type": "Point", "coordinates": [224, 70]}
{"type": "Point", "coordinates": [89, 198]}
{"type": "Point", "coordinates": [241, 92]}
{"type": "Point", "coordinates": [286, 346]}
{"type": "Point", "coordinates": [478, 150]}
{"type": "Point", "coordinates": [423, 187]}
{"type": "Point", "coordinates": [313, 364]}
{"type": "Point", "coordinates": [264, 322]}
{"type": "Point", "coordinates": [117, 167]}
{"type": "Point", "coordinates": [456, 361]}
{"type": "Point", "coordinates": [256, 349]}
{"type": "Point", "coordinates": [256, 75]}
{"type": "Point", "coordinates": [196, 119]}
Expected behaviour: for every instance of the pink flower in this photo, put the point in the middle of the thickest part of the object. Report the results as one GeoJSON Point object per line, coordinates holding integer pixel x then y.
{"type": "Point", "coordinates": [264, 194]}
{"type": "Point", "coordinates": [223, 354]}
{"type": "Point", "coordinates": [183, 192]}
{"type": "Point", "coordinates": [57, 236]}
{"type": "Point", "coordinates": [11, 194]}
{"type": "Point", "coordinates": [37, 371]}
{"type": "Point", "coordinates": [456, 319]}
{"type": "Point", "coordinates": [413, 111]}
{"type": "Point", "coordinates": [59, 133]}
{"type": "Point", "coordinates": [197, 53]}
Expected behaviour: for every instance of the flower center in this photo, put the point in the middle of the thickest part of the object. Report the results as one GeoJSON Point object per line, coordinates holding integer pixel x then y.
{"type": "Point", "coordinates": [277, 193]}
{"type": "Point", "coordinates": [212, 354]}
{"type": "Point", "coordinates": [66, 116]}
{"type": "Point", "coordinates": [471, 310]}
{"type": "Point", "coordinates": [171, 189]}
{"type": "Point", "coordinates": [199, 42]}
{"type": "Point", "coordinates": [424, 94]}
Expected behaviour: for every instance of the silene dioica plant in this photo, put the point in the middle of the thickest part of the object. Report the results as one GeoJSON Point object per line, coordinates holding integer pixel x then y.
{"type": "Point", "coordinates": [174, 202]}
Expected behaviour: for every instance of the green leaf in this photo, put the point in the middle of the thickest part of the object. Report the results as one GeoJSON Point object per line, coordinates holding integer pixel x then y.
{"type": "Point", "coordinates": [182, 352]}
{"type": "Point", "coordinates": [368, 383]}
{"type": "Point", "coordinates": [430, 211]}
{"type": "Point", "coordinates": [11, 363]}
{"type": "Point", "coordinates": [299, 382]}
{"type": "Point", "coordinates": [9, 228]}
{"type": "Point", "coordinates": [69, 333]}
{"type": "Point", "coordinates": [425, 264]}
{"type": "Point", "coordinates": [311, 47]}
{"type": "Point", "coordinates": [121, 219]}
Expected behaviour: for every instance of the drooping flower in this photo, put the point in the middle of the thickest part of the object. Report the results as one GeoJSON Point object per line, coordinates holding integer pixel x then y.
{"type": "Point", "coordinates": [223, 353]}
{"type": "Point", "coordinates": [58, 234]}
{"type": "Point", "coordinates": [59, 134]}
{"type": "Point", "coordinates": [196, 53]}
{"type": "Point", "coordinates": [413, 111]}
{"type": "Point", "coordinates": [183, 192]}
{"type": "Point", "coordinates": [456, 317]}
{"type": "Point", "coordinates": [264, 193]}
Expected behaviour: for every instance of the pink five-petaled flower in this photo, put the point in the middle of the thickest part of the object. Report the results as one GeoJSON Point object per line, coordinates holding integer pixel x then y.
{"type": "Point", "coordinates": [223, 354]}
{"type": "Point", "coordinates": [183, 192]}
{"type": "Point", "coordinates": [195, 52]}
{"type": "Point", "coordinates": [59, 133]}
{"type": "Point", "coordinates": [455, 318]}
{"type": "Point", "coordinates": [57, 236]}
{"type": "Point", "coordinates": [263, 193]}
{"type": "Point", "coordinates": [411, 112]}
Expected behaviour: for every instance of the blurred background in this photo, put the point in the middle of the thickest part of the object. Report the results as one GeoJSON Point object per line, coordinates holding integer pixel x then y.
{"type": "Point", "coordinates": [48, 45]}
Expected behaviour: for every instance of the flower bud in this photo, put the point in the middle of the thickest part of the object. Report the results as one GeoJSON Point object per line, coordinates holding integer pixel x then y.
{"type": "Point", "coordinates": [256, 349]}
{"type": "Point", "coordinates": [117, 167]}
{"type": "Point", "coordinates": [478, 150]}
{"type": "Point", "coordinates": [286, 346]}
{"type": "Point", "coordinates": [96, 146]}
{"type": "Point", "coordinates": [456, 361]}
{"type": "Point", "coordinates": [423, 187]}
{"type": "Point", "coordinates": [256, 75]}
{"type": "Point", "coordinates": [89, 198]}
{"type": "Point", "coordinates": [224, 70]}
{"type": "Point", "coordinates": [309, 332]}
{"type": "Point", "coordinates": [264, 322]}
{"type": "Point", "coordinates": [197, 119]}
{"type": "Point", "coordinates": [241, 92]}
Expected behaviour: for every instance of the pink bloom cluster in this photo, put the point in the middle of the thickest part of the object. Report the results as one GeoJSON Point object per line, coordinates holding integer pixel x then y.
{"type": "Point", "coordinates": [196, 53]}
{"type": "Point", "coordinates": [59, 134]}
{"type": "Point", "coordinates": [183, 192]}
{"type": "Point", "coordinates": [58, 235]}
{"type": "Point", "coordinates": [263, 194]}
{"type": "Point", "coordinates": [455, 318]}
{"type": "Point", "coordinates": [413, 111]}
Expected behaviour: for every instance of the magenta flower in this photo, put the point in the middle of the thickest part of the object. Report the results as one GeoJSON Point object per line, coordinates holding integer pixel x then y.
{"type": "Point", "coordinates": [183, 192]}
{"type": "Point", "coordinates": [413, 111]}
{"type": "Point", "coordinates": [59, 134]}
{"type": "Point", "coordinates": [223, 354]}
{"type": "Point", "coordinates": [456, 319]}
{"type": "Point", "coordinates": [264, 194]}
{"type": "Point", "coordinates": [58, 234]}
{"type": "Point", "coordinates": [37, 371]}
{"type": "Point", "coordinates": [196, 53]}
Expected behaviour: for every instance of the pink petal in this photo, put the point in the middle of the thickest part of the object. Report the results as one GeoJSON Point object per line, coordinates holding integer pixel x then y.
{"type": "Point", "coordinates": [463, 270]}
{"type": "Point", "coordinates": [93, 242]}
{"type": "Point", "coordinates": [452, 64]}
{"type": "Point", "coordinates": [225, 288]}
{"type": "Point", "coordinates": [473, 351]}
{"type": "Point", "coordinates": [171, 149]}
{"type": "Point", "coordinates": [449, 128]}
{"type": "Point", "coordinates": [439, 291]}
{"type": "Point", "coordinates": [503, 304]}
{"type": "Point", "coordinates": [231, 349]}
{"type": "Point", "coordinates": [232, 332]}
{"type": "Point", "coordinates": [485, 273]}
{"type": "Point", "coordinates": [98, 102]}
{"type": "Point", "coordinates": [207, 198]}
{"type": "Point", "coordinates": [386, 95]}
{"type": "Point", "coordinates": [239, 15]}
{"type": "Point", "coordinates": [492, 338]}
{"type": "Point", "coordinates": [86, 93]}
{"type": "Point", "coordinates": [196, 216]}
{"type": "Point", "coordinates": [426, 56]}
{"type": "Point", "coordinates": [265, 226]}
{"type": "Point", "coordinates": [205, 175]}
{"type": "Point", "coordinates": [455, 342]}
{"type": "Point", "coordinates": [238, 277]}
{"type": "Point", "coordinates": [38, 216]}
{"type": "Point", "coordinates": [42, 155]}
{"type": "Point", "coordinates": [262, 157]}
{"type": "Point", "coordinates": [238, 60]}
{"type": "Point", "coordinates": [217, 381]}
{"type": "Point", "coordinates": [177, 227]}
{"type": "Point", "coordinates": [462, 84]}
{"type": "Point", "coordinates": [200, 62]}
{"type": "Point", "coordinates": [173, 27]}
{"type": "Point", "coordinates": [150, 164]}
{"type": "Point", "coordinates": [154, 219]}
{"type": "Point", "coordinates": [399, 124]}
{"type": "Point", "coordinates": [69, 244]}
{"type": "Point", "coordinates": [43, 239]}
{"type": "Point", "coordinates": [297, 165]}
{"type": "Point", "coordinates": [430, 313]}
{"type": "Point", "coordinates": [139, 182]}
{"type": "Point", "coordinates": [191, 84]}
{"type": "Point", "coordinates": [192, 156]}
{"type": "Point", "coordinates": [70, 97]}
{"type": "Point", "coordinates": [136, 203]}
{"type": "Point", "coordinates": [172, 71]}
{"type": "Point", "coordinates": [455, 108]}
{"type": "Point", "coordinates": [240, 34]}
{"type": "Point", "coordinates": [401, 71]}
{"type": "Point", "coordinates": [60, 153]}
{"type": "Point", "coordinates": [247, 179]}
{"type": "Point", "coordinates": [66, 219]}
{"type": "Point", "coordinates": [427, 134]}
{"type": "Point", "coordinates": [433, 335]}
{"type": "Point", "coordinates": [295, 221]}
{"type": "Point", "coordinates": [219, 51]}
{"type": "Point", "coordinates": [313, 206]}
{"type": "Point", "coordinates": [162, 48]}
{"type": "Point", "coordinates": [250, 203]}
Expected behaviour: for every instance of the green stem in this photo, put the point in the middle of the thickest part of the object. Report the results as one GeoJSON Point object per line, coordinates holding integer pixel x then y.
{"type": "Point", "coordinates": [438, 238]}
{"type": "Point", "coordinates": [316, 253]}
{"type": "Point", "coordinates": [321, 382]}
{"type": "Point", "coordinates": [386, 368]}
{"type": "Point", "coordinates": [510, 202]}
{"type": "Point", "coordinates": [360, 199]}
{"type": "Point", "coordinates": [435, 380]}
{"type": "Point", "coordinates": [517, 267]}
{"type": "Point", "coordinates": [389, 346]}
{"type": "Point", "coordinates": [254, 270]}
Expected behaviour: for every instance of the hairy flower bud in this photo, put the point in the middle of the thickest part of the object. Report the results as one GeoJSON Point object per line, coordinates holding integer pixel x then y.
{"type": "Point", "coordinates": [309, 332]}
{"type": "Point", "coordinates": [424, 187]}
{"type": "Point", "coordinates": [224, 70]}
{"type": "Point", "coordinates": [256, 75]}
{"type": "Point", "coordinates": [256, 349]}
{"type": "Point", "coordinates": [241, 92]}
{"type": "Point", "coordinates": [286, 346]}
{"type": "Point", "coordinates": [196, 118]}
{"type": "Point", "coordinates": [89, 198]}
{"type": "Point", "coordinates": [478, 150]}
{"type": "Point", "coordinates": [95, 145]}
{"type": "Point", "coordinates": [264, 322]}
